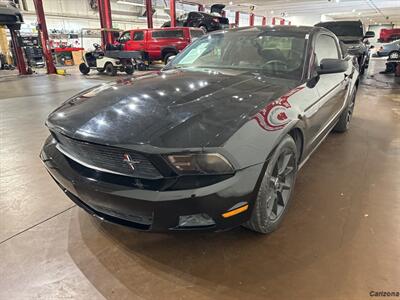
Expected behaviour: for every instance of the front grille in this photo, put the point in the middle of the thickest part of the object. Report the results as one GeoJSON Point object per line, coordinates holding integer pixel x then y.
{"type": "Point", "coordinates": [107, 159]}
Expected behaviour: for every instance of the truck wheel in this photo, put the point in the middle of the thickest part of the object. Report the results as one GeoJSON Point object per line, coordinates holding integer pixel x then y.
{"type": "Point", "coordinates": [100, 70]}
{"type": "Point", "coordinates": [110, 70]}
{"type": "Point", "coordinates": [84, 69]}
{"type": "Point", "coordinates": [344, 120]}
{"type": "Point", "coordinates": [276, 188]}
{"type": "Point", "coordinates": [167, 56]}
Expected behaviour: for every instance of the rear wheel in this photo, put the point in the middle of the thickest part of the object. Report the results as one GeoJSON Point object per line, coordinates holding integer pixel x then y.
{"type": "Point", "coordinates": [167, 56]}
{"type": "Point", "coordinates": [84, 69]}
{"type": "Point", "coordinates": [129, 68]}
{"type": "Point", "coordinates": [344, 121]}
{"type": "Point", "coordinates": [110, 70]}
{"type": "Point", "coordinates": [276, 188]}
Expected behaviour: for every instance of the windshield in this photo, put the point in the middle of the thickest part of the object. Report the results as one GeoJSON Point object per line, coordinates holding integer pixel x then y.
{"type": "Point", "coordinates": [344, 29]}
{"type": "Point", "coordinates": [274, 53]}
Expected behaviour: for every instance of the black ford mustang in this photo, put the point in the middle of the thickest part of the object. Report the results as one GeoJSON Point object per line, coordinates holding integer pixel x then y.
{"type": "Point", "coordinates": [214, 140]}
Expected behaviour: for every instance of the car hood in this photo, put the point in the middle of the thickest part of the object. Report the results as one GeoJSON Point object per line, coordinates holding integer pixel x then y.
{"type": "Point", "coordinates": [169, 109]}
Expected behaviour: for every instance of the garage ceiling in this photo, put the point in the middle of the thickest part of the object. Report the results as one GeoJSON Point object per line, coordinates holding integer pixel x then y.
{"type": "Point", "coordinates": [369, 11]}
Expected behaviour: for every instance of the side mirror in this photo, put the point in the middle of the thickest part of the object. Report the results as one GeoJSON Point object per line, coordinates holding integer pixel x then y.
{"type": "Point", "coordinates": [369, 34]}
{"type": "Point", "coordinates": [332, 65]}
{"type": "Point", "coordinates": [171, 58]}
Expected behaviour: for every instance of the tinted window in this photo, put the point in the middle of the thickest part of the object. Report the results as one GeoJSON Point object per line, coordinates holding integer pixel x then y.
{"type": "Point", "coordinates": [126, 36]}
{"type": "Point", "coordinates": [138, 36]}
{"type": "Point", "coordinates": [196, 33]}
{"type": "Point", "coordinates": [325, 47]}
{"type": "Point", "coordinates": [167, 34]}
{"type": "Point", "coordinates": [344, 28]}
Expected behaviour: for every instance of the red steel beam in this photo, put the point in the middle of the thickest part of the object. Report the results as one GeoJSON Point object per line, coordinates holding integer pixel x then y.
{"type": "Point", "coordinates": [149, 14]}
{"type": "Point", "coordinates": [273, 21]}
{"type": "Point", "coordinates": [282, 22]}
{"type": "Point", "coordinates": [20, 60]}
{"type": "Point", "coordinates": [107, 21]}
{"type": "Point", "coordinates": [44, 36]}
{"type": "Point", "coordinates": [102, 24]}
{"type": "Point", "coordinates": [252, 17]}
{"type": "Point", "coordinates": [172, 12]}
{"type": "Point", "coordinates": [237, 18]}
{"type": "Point", "coordinates": [264, 21]}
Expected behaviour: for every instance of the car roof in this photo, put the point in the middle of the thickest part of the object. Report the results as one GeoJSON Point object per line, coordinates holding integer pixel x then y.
{"type": "Point", "coordinates": [164, 29]}
{"type": "Point", "coordinates": [280, 28]}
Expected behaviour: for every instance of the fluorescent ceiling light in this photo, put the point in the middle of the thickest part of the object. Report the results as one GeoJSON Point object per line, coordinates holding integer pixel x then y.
{"type": "Point", "coordinates": [131, 3]}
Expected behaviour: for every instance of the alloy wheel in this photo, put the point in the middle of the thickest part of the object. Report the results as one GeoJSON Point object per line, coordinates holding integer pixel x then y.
{"type": "Point", "coordinates": [280, 184]}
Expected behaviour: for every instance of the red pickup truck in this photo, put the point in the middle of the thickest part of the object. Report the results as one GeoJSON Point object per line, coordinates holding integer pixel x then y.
{"type": "Point", "coordinates": [159, 44]}
{"type": "Point", "coordinates": [388, 35]}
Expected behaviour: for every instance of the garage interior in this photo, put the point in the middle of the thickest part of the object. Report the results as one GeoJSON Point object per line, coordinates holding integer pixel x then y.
{"type": "Point", "coordinates": [339, 240]}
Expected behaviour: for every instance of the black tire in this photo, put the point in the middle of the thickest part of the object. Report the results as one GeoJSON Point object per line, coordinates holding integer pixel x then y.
{"type": "Point", "coordinates": [100, 70]}
{"type": "Point", "coordinates": [129, 69]}
{"type": "Point", "coordinates": [345, 118]}
{"type": "Point", "coordinates": [276, 188]}
{"type": "Point", "coordinates": [167, 56]}
{"type": "Point", "coordinates": [110, 70]}
{"type": "Point", "coordinates": [395, 54]}
{"type": "Point", "coordinates": [84, 69]}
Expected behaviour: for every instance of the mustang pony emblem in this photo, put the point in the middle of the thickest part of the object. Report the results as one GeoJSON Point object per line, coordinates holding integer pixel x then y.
{"type": "Point", "coordinates": [131, 162]}
{"type": "Point", "coordinates": [275, 115]}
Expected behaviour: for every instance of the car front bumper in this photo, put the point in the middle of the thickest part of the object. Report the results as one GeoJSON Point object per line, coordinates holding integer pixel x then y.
{"type": "Point", "coordinates": [155, 210]}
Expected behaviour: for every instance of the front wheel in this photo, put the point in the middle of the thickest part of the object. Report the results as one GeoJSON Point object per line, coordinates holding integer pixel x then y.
{"type": "Point", "coordinates": [344, 120]}
{"type": "Point", "coordinates": [84, 69]}
{"type": "Point", "coordinates": [129, 69]}
{"type": "Point", "coordinates": [276, 188]}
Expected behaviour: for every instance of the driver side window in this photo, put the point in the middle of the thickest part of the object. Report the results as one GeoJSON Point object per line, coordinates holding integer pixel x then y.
{"type": "Point", "coordinates": [126, 36]}
{"type": "Point", "coordinates": [325, 47]}
{"type": "Point", "coordinates": [138, 36]}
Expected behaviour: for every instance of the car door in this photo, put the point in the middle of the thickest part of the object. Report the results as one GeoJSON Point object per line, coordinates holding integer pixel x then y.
{"type": "Point", "coordinates": [137, 41]}
{"type": "Point", "coordinates": [331, 89]}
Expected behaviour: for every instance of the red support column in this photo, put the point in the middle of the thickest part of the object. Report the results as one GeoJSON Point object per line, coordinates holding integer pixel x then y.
{"type": "Point", "coordinates": [172, 12]}
{"type": "Point", "coordinates": [20, 60]}
{"type": "Point", "coordinates": [282, 22]}
{"type": "Point", "coordinates": [273, 21]}
{"type": "Point", "coordinates": [252, 16]}
{"type": "Point", "coordinates": [237, 18]}
{"type": "Point", "coordinates": [44, 36]}
{"type": "Point", "coordinates": [201, 7]}
{"type": "Point", "coordinates": [264, 21]}
{"type": "Point", "coordinates": [149, 14]}
{"type": "Point", "coordinates": [102, 25]}
{"type": "Point", "coordinates": [107, 21]}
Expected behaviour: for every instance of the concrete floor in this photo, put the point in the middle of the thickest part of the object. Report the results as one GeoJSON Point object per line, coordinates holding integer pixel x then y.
{"type": "Point", "coordinates": [340, 239]}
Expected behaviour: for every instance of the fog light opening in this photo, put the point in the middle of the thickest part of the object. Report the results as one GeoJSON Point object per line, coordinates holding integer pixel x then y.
{"type": "Point", "coordinates": [198, 220]}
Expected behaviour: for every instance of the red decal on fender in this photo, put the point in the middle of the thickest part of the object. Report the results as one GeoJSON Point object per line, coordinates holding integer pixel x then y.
{"type": "Point", "coordinates": [274, 116]}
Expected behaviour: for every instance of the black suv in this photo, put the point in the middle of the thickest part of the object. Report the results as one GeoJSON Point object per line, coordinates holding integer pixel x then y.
{"type": "Point", "coordinates": [206, 21]}
{"type": "Point", "coordinates": [352, 39]}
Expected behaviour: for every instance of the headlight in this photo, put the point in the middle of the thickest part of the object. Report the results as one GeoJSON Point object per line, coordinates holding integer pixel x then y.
{"type": "Point", "coordinates": [200, 163]}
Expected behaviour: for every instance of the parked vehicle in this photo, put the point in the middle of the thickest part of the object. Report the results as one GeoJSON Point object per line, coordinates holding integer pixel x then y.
{"type": "Point", "coordinates": [212, 141]}
{"type": "Point", "coordinates": [98, 60]}
{"type": "Point", "coordinates": [351, 34]}
{"type": "Point", "coordinates": [385, 49]}
{"type": "Point", "coordinates": [159, 44]}
{"type": "Point", "coordinates": [10, 15]}
{"type": "Point", "coordinates": [388, 35]}
{"type": "Point", "coordinates": [207, 22]}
